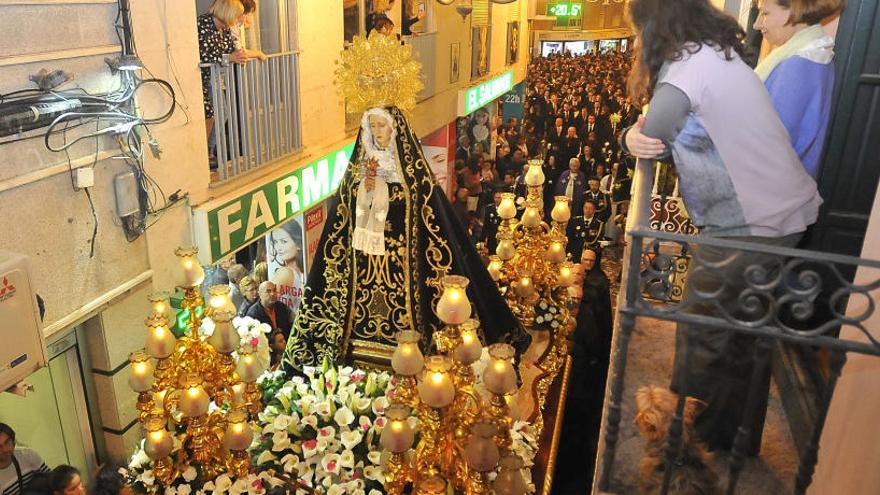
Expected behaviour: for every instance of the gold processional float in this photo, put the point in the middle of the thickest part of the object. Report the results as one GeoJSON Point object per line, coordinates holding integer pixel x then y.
{"type": "Point", "coordinates": [202, 391]}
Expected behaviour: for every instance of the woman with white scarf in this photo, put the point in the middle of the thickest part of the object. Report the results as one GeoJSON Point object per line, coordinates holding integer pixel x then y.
{"type": "Point", "coordinates": [799, 72]}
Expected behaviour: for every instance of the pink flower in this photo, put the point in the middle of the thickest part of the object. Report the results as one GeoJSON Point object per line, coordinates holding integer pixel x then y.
{"type": "Point", "coordinates": [331, 466]}
{"type": "Point", "coordinates": [258, 484]}
{"type": "Point", "coordinates": [254, 342]}
{"type": "Point", "coordinates": [329, 386]}
{"type": "Point", "coordinates": [357, 376]}
{"type": "Point", "coordinates": [380, 422]}
{"type": "Point", "coordinates": [394, 381]}
{"type": "Point", "coordinates": [311, 444]}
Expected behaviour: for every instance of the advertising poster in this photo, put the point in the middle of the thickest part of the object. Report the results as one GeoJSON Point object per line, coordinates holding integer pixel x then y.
{"type": "Point", "coordinates": [513, 102]}
{"type": "Point", "coordinates": [286, 259]}
{"type": "Point", "coordinates": [315, 219]}
{"type": "Point", "coordinates": [436, 149]}
{"type": "Point", "coordinates": [474, 132]}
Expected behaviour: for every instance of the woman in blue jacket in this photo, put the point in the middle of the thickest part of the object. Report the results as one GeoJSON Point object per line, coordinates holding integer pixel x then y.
{"type": "Point", "coordinates": [799, 72]}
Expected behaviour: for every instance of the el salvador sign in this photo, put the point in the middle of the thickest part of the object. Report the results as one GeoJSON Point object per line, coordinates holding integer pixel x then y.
{"type": "Point", "coordinates": [229, 227]}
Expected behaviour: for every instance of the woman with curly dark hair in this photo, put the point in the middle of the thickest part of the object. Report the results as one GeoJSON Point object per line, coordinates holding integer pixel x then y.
{"type": "Point", "coordinates": [739, 176]}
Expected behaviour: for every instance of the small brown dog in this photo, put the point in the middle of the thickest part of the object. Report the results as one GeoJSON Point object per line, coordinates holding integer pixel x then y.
{"type": "Point", "coordinates": [692, 474]}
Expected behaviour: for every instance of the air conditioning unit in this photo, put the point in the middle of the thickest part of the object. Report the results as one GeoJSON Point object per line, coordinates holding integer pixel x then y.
{"type": "Point", "coordinates": [24, 348]}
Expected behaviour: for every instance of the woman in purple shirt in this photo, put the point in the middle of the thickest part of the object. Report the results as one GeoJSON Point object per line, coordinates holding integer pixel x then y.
{"type": "Point", "coordinates": [799, 72]}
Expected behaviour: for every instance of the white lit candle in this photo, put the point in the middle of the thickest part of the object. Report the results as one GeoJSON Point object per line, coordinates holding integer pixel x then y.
{"type": "Point", "coordinates": [494, 267]}
{"type": "Point", "coordinates": [192, 272]}
{"type": "Point", "coordinates": [531, 217]}
{"type": "Point", "coordinates": [566, 275]}
{"type": "Point", "coordinates": [505, 250]}
{"type": "Point", "coordinates": [397, 436]}
{"type": "Point", "coordinates": [556, 252]}
{"type": "Point", "coordinates": [454, 308]}
{"type": "Point", "coordinates": [561, 210]}
{"type": "Point", "coordinates": [470, 349]}
{"type": "Point", "coordinates": [220, 299]}
{"type": "Point", "coordinates": [248, 368]}
{"type": "Point", "coordinates": [407, 359]}
{"type": "Point", "coordinates": [481, 452]}
{"type": "Point", "coordinates": [499, 376]}
{"type": "Point", "coordinates": [158, 442]}
{"type": "Point", "coordinates": [507, 208]}
{"type": "Point", "coordinates": [238, 435]}
{"type": "Point", "coordinates": [525, 287]}
{"type": "Point", "coordinates": [535, 175]}
{"type": "Point", "coordinates": [141, 378]}
{"type": "Point", "coordinates": [436, 389]}
{"type": "Point", "coordinates": [160, 340]}
{"type": "Point", "coordinates": [160, 304]}
{"type": "Point", "coordinates": [194, 400]}
{"type": "Point", "coordinates": [225, 338]}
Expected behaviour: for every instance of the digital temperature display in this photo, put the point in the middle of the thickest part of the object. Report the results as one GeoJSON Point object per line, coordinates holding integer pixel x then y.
{"type": "Point", "coordinates": [565, 9]}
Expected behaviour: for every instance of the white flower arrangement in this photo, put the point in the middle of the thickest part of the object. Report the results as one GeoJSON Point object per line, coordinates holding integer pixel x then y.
{"type": "Point", "coordinates": [323, 429]}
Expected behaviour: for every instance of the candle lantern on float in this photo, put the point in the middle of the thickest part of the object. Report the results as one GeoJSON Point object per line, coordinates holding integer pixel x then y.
{"type": "Point", "coordinates": [440, 391]}
{"type": "Point", "coordinates": [197, 393]}
{"type": "Point", "coordinates": [532, 271]}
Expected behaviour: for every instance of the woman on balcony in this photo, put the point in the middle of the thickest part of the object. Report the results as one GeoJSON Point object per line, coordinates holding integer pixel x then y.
{"type": "Point", "coordinates": [217, 38]}
{"type": "Point", "coordinates": [799, 72]}
{"type": "Point", "coordinates": [740, 179]}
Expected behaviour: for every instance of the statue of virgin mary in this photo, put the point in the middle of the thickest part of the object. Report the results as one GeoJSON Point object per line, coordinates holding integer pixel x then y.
{"type": "Point", "coordinates": [390, 236]}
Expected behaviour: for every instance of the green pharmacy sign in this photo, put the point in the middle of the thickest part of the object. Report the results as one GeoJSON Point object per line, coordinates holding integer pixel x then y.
{"type": "Point", "coordinates": [565, 9]}
{"type": "Point", "coordinates": [236, 223]}
{"type": "Point", "coordinates": [478, 96]}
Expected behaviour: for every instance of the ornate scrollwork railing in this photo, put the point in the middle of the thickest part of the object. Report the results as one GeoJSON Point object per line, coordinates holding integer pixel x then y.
{"type": "Point", "coordinates": [769, 292]}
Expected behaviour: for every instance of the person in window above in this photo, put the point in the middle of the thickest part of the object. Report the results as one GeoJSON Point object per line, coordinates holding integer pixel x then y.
{"type": "Point", "coordinates": [216, 39]}
{"type": "Point", "coordinates": [384, 26]}
{"type": "Point", "coordinates": [250, 8]}
{"type": "Point", "coordinates": [19, 466]}
{"type": "Point", "coordinates": [66, 480]}
{"type": "Point", "coordinates": [799, 72]}
{"type": "Point", "coordinates": [739, 178]}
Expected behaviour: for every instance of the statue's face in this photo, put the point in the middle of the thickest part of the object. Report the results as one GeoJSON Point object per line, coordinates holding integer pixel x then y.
{"type": "Point", "coordinates": [381, 130]}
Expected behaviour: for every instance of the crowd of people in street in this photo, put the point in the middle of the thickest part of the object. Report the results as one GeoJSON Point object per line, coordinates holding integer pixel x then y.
{"type": "Point", "coordinates": [575, 110]}
{"type": "Point", "coordinates": [23, 472]}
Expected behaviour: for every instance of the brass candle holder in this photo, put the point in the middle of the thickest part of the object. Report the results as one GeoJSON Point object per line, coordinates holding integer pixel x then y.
{"type": "Point", "coordinates": [193, 372]}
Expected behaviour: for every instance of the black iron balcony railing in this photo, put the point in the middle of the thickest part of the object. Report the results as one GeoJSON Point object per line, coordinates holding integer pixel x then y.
{"type": "Point", "coordinates": [767, 294]}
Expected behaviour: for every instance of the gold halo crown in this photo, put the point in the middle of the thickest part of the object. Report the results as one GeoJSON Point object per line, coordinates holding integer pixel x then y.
{"type": "Point", "coordinates": [376, 72]}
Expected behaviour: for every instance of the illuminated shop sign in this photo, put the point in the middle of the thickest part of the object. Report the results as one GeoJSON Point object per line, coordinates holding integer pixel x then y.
{"type": "Point", "coordinates": [478, 96]}
{"type": "Point", "coordinates": [565, 9]}
{"type": "Point", "coordinates": [239, 222]}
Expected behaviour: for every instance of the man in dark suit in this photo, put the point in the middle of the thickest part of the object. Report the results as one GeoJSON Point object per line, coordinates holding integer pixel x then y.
{"type": "Point", "coordinates": [585, 231]}
{"type": "Point", "coordinates": [271, 312]}
{"type": "Point", "coordinates": [491, 222]}
{"type": "Point", "coordinates": [556, 134]}
{"type": "Point", "coordinates": [599, 199]}
{"type": "Point", "coordinates": [593, 125]}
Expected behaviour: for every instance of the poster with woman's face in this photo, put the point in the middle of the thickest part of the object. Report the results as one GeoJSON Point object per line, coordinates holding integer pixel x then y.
{"type": "Point", "coordinates": [286, 260]}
